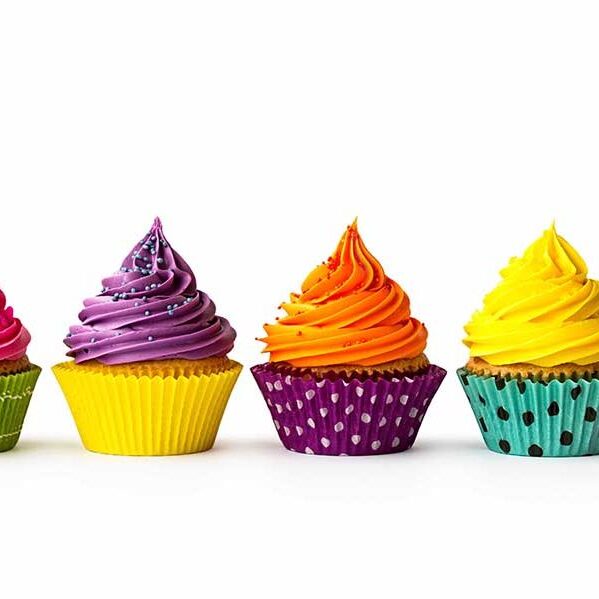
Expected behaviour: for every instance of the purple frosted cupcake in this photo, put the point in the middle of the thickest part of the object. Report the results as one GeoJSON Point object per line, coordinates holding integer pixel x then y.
{"type": "Point", "coordinates": [150, 374]}
{"type": "Point", "coordinates": [347, 372]}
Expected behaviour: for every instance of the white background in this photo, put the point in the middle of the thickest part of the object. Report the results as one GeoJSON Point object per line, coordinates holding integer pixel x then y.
{"type": "Point", "coordinates": [258, 130]}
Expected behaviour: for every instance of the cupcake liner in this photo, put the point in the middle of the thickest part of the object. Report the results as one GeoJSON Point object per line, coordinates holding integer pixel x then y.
{"type": "Point", "coordinates": [146, 415]}
{"type": "Point", "coordinates": [15, 394]}
{"type": "Point", "coordinates": [339, 415]}
{"type": "Point", "coordinates": [535, 418]}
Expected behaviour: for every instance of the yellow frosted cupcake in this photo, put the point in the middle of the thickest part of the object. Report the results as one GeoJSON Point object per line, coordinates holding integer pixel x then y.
{"type": "Point", "coordinates": [532, 377]}
{"type": "Point", "coordinates": [150, 374]}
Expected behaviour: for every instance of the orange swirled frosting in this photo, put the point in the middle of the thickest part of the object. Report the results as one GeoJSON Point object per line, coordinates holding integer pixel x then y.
{"type": "Point", "coordinates": [348, 312]}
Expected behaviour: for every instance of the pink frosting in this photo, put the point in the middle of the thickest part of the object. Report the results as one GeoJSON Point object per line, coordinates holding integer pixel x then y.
{"type": "Point", "coordinates": [14, 337]}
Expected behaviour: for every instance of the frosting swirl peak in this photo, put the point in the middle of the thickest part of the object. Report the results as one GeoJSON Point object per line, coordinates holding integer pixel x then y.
{"type": "Point", "coordinates": [14, 337]}
{"type": "Point", "coordinates": [348, 312]}
{"type": "Point", "coordinates": [545, 311]}
{"type": "Point", "coordinates": [150, 310]}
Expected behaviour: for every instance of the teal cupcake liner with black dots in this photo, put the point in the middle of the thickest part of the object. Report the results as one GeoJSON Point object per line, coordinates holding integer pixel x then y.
{"type": "Point", "coordinates": [526, 417]}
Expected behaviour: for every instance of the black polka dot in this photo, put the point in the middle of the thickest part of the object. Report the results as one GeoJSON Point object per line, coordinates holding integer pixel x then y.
{"type": "Point", "coordinates": [535, 451]}
{"type": "Point", "coordinates": [576, 392]}
{"type": "Point", "coordinates": [482, 400]}
{"type": "Point", "coordinates": [503, 414]}
{"type": "Point", "coordinates": [590, 415]}
{"type": "Point", "coordinates": [483, 425]}
{"type": "Point", "coordinates": [522, 387]}
{"type": "Point", "coordinates": [553, 409]}
{"type": "Point", "coordinates": [528, 418]}
{"type": "Point", "coordinates": [464, 379]}
{"type": "Point", "coordinates": [566, 438]}
{"type": "Point", "coordinates": [504, 446]}
{"type": "Point", "coordinates": [500, 383]}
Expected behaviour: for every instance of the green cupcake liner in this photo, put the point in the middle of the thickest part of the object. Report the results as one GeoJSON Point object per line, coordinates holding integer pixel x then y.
{"type": "Point", "coordinates": [15, 394]}
{"type": "Point", "coordinates": [534, 418]}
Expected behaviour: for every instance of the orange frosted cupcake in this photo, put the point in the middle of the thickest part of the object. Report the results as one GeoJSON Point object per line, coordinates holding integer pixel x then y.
{"type": "Point", "coordinates": [347, 372]}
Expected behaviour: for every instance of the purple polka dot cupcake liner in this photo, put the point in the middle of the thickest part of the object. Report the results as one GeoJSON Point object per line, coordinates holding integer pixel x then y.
{"type": "Point", "coordinates": [346, 415]}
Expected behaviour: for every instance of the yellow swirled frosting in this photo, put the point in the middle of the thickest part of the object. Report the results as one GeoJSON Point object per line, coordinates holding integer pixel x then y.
{"type": "Point", "coordinates": [544, 312]}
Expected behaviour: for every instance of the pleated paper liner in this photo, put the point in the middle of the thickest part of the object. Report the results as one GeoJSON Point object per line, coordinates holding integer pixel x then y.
{"type": "Point", "coordinates": [341, 415]}
{"type": "Point", "coordinates": [15, 395]}
{"type": "Point", "coordinates": [168, 412]}
{"type": "Point", "coordinates": [528, 417]}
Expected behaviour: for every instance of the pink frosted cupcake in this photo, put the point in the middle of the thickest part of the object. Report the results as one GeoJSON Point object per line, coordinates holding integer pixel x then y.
{"type": "Point", "coordinates": [17, 376]}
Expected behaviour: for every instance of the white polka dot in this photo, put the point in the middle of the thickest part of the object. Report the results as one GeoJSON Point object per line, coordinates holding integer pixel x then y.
{"type": "Point", "coordinates": [279, 408]}
{"type": "Point", "coordinates": [376, 445]}
{"type": "Point", "coordinates": [426, 400]}
{"type": "Point", "coordinates": [411, 432]}
{"type": "Point", "coordinates": [403, 399]}
{"type": "Point", "coordinates": [269, 385]}
{"type": "Point", "coordinates": [413, 413]}
{"type": "Point", "coordinates": [324, 412]}
{"type": "Point", "coordinates": [395, 380]}
{"type": "Point", "coordinates": [277, 424]}
{"type": "Point", "coordinates": [299, 430]}
{"type": "Point", "coordinates": [359, 391]}
{"type": "Point", "coordinates": [420, 417]}
{"type": "Point", "coordinates": [335, 397]}
{"type": "Point", "coordinates": [409, 380]}
{"type": "Point", "coordinates": [339, 427]}
{"type": "Point", "coordinates": [310, 393]}
{"type": "Point", "coordinates": [382, 421]}
{"type": "Point", "coordinates": [269, 402]}
{"type": "Point", "coordinates": [389, 399]}
{"type": "Point", "coordinates": [398, 421]}
{"type": "Point", "coordinates": [288, 406]}
{"type": "Point", "coordinates": [395, 442]}
{"type": "Point", "coordinates": [308, 450]}
{"type": "Point", "coordinates": [373, 399]}
{"type": "Point", "coordinates": [300, 404]}
{"type": "Point", "coordinates": [311, 423]}
{"type": "Point", "coordinates": [278, 385]}
{"type": "Point", "coordinates": [343, 455]}
{"type": "Point", "coordinates": [365, 418]}
{"type": "Point", "coordinates": [349, 409]}
{"type": "Point", "coordinates": [288, 379]}
{"type": "Point", "coordinates": [287, 431]}
{"type": "Point", "coordinates": [320, 384]}
{"type": "Point", "coordinates": [345, 383]}
{"type": "Point", "coordinates": [325, 442]}
{"type": "Point", "coordinates": [355, 439]}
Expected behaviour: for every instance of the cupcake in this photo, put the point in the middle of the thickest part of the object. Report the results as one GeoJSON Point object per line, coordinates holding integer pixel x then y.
{"type": "Point", "coordinates": [347, 373]}
{"type": "Point", "coordinates": [533, 375]}
{"type": "Point", "coordinates": [17, 376]}
{"type": "Point", "coordinates": [150, 373]}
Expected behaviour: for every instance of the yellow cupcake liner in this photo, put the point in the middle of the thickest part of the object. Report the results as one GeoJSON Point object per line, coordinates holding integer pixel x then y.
{"type": "Point", "coordinates": [129, 410]}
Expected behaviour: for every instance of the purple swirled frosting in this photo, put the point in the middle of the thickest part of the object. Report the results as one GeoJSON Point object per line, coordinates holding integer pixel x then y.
{"type": "Point", "coordinates": [150, 310]}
